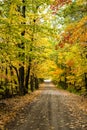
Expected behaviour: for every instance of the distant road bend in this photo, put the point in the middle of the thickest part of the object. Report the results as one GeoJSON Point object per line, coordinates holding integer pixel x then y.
{"type": "Point", "coordinates": [52, 110]}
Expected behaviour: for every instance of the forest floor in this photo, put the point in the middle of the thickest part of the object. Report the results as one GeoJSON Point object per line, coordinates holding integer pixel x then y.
{"type": "Point", "coordinates": [48, 108]}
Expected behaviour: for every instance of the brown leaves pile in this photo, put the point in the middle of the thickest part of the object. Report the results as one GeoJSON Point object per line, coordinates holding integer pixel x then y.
{"type": "Point", "coordinates": [10, 107]}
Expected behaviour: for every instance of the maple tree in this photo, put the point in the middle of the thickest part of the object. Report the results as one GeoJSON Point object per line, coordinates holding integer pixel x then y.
{"type": "Point", "coordinates": [72, 47]}
{"type": "Point", "coordinates": [59, 3]}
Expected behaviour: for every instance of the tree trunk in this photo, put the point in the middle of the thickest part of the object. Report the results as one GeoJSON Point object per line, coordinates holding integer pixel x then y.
{"type": "Point", "coordinates": [21, 80]}
{"type": "Point", "coordinates": [7, 91]}
{"type": "Point", "coordinates": [27, 78]}
{"type": "Point", "coordinates": [36, 83]}
{"type": "Point", "coordinates": [6, 80]}
{"type": "Point", "coordinates": [86, 81]}
{"type": "Point", "coordinates": [32, 83]}
{"type": "Point", "coordinates": [21, 69]}
{"type": "Point", "coordinates": [17, 77]}
{"type": "Point", "coordinates": [11, 72]}
{"type": "Point", "coordinates": [66, 85]}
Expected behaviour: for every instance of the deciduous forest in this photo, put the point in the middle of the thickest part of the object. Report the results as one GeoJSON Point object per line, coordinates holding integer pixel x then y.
{"type": "Point", "coordinates": [42, 39]}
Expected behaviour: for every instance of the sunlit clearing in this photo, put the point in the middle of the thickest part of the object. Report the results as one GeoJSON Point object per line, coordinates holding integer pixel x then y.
{"type": "Point", "coordinates": [47, 80]}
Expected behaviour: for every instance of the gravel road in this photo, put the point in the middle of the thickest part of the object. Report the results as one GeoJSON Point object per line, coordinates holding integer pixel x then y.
{"type": "Point", "coordinates": [52, 110]}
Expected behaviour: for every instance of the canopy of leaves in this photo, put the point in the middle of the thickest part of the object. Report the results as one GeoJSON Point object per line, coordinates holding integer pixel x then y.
{"type": "Point", "coordinates": [49, 36]}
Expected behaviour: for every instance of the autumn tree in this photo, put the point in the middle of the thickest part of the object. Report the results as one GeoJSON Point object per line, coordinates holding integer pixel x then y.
{"type": "Point", "coordinates": [71, 45]}
{"type": "Point", "coordinates": [21, 42]}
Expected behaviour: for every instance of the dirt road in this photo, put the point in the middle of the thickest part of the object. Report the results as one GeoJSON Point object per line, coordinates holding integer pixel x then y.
{"type": "Point", "coordinates": [52, 110]}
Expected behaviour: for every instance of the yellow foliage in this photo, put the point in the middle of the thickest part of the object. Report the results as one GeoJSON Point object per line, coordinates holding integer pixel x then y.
{"type": "Point", "coordinates": [58, 71]}
{"type": "Point", "coordinates": [81, 2]}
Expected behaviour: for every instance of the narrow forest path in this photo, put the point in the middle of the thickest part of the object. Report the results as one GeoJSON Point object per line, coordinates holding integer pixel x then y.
{"type": "Point", "coordinates": [52, 110]}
